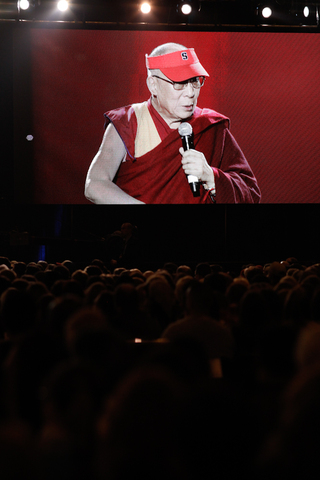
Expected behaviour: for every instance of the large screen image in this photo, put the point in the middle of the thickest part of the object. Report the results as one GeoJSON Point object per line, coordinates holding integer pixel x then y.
{"type": "Point", "coordinates": [266, 83]}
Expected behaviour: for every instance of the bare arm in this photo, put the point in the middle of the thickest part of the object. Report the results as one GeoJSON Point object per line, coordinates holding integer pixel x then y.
{"type": "Point", "coordinates": [99, 187]}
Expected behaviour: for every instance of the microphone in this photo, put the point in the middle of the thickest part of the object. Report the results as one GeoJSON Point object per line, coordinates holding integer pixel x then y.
{"type": "Point", "coordinates": [186, 134]}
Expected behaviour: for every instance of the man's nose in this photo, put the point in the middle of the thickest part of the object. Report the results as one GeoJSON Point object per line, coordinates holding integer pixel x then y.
{"type": "Point", "coordinates": [189, 90]}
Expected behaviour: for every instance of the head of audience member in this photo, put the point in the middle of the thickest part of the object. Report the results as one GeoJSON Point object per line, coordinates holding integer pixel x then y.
{"type": "Point", "coordinates": [18, 312]}
{"type": "Point", "coordinates": [201, 300]}
{"type": "Point", "coordinates": [201, 270]}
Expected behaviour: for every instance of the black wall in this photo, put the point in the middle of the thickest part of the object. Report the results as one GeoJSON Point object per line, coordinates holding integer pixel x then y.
{"type": "Point", "coordinates": [221, 234]}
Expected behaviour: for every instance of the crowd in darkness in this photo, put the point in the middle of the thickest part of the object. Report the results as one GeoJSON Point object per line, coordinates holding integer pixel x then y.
{"type": "Point", "coordinates": [184, 373]}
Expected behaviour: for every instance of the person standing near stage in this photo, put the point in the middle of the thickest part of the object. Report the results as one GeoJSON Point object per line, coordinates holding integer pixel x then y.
{"type": "Point", "coordinates": [141, 159]}
{"type": "Point", "coordinates": [123, 247]}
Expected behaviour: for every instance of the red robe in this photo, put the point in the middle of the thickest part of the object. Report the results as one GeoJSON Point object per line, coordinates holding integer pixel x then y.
{"type": "Point", "coordinates": [157, 177]}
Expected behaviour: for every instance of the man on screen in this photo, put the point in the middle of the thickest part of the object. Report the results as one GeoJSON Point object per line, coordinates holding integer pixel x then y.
{"type": "Point", "coordinates": [141, 158]}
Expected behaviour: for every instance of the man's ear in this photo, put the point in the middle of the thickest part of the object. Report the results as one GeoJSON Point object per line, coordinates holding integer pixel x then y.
{"type": "Point", "coordinates": [152, 86]}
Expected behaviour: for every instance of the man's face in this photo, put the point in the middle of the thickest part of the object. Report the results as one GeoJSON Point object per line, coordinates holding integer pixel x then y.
{"type": "Point", "coordinates": [126, 230]}
{"type": "Point", "coordinates": [173, 105]}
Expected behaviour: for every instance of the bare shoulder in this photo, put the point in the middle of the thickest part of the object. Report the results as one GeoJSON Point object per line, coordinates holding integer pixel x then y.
{"type": "Point", "coordinates": [111, 140]}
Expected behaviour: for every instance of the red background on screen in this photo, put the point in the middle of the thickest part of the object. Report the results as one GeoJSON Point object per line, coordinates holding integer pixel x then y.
{"type": "Point", "coordinates": [267, 83]}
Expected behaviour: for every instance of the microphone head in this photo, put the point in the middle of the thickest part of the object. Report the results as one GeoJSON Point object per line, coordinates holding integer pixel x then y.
{"type": "Point", "coordinates": [185, 129]}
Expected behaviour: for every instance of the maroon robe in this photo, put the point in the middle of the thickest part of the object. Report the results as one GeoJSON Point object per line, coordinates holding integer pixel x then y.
{"type": "Point", "coordinates": [157, 177]}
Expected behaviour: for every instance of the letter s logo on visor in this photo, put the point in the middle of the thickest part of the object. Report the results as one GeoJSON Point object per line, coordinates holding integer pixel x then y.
{"type": "Point", "coordinates": [184, 56]}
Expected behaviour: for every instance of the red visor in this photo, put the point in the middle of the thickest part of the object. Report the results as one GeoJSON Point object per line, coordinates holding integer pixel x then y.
{"type": "Point", "coordinates": [178, 66]}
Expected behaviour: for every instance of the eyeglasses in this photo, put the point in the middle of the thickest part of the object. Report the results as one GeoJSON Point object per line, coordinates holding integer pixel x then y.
{"type": "Point", "coordinates": [196, 82]}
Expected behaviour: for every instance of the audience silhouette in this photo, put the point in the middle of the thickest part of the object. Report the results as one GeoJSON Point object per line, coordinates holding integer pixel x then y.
{"type": "Point", "coordinates": [181, 372]}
